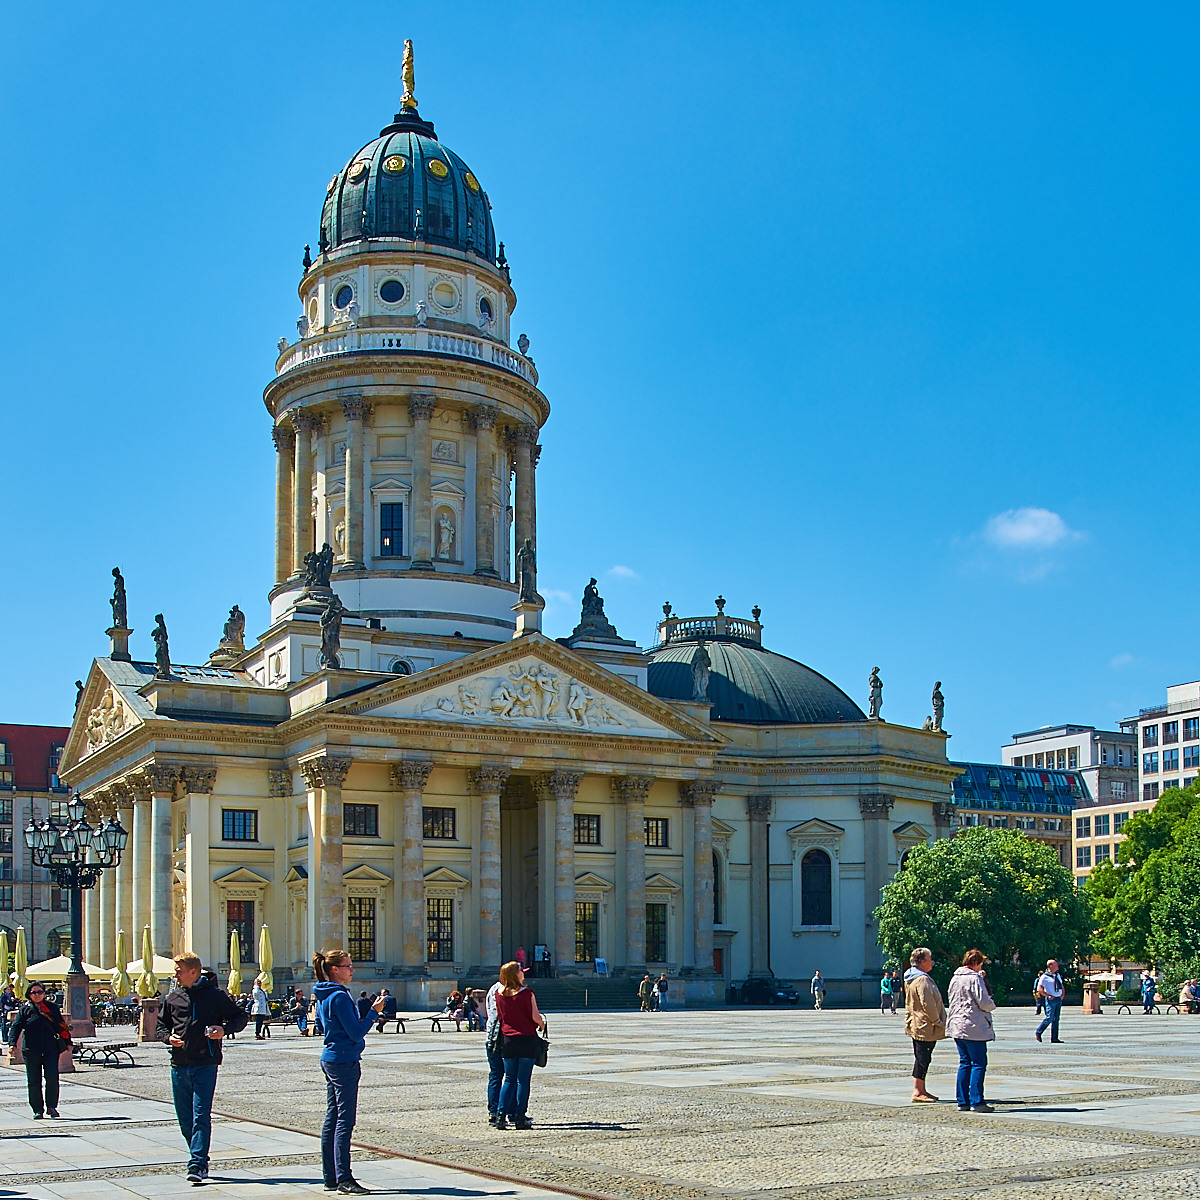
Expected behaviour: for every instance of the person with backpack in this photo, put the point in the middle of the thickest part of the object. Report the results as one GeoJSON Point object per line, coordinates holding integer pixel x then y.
{"type": "Point", "coordinates": [1050, 988]}
{"type": "Point", "coordinates": [46, 1035]}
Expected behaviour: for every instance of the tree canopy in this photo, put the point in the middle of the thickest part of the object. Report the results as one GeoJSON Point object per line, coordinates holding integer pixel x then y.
{"type": "Point", "coordinates": [994, 889]}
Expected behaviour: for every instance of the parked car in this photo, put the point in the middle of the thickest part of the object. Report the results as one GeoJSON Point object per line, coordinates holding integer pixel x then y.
{"type": "Point", "coordinates": [767, 991]}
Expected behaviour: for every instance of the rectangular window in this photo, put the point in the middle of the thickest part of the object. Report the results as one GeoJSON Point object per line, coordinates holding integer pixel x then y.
{"type": "Point", "coordinates": [656, 933]}
{"type": "Point", "coordinates": [58, 812]}
{"type": "Point", "coordinates": [1169, 783]}
{"type": "Point", "coordinates": [1053, 823]}
{"type": "Point", "coordinates": [360, 928]}
{"type": "Point", "coordinates": [1170, 760]}
{"type": "Point", "coordinates": [1116, 789]}
{"type": "Point", "coordinates": [6, 810]}
{"type": "Point", "coordinates": [1039, 760]}
{"type": "Point", "coordinates": [656, 835]}
{"type": "Point", "coordinates": [587, 833]}
{"type": "Point", "coordinates": [391, 530]}
{"type": "Point", "coordinates": [439, 929]}
{"type": "Point", "coordinates": [1105, 755]}
{"type": "Point", "coordinates": [1062, 760]}
{"type": "Point", "coordinates": [1083, 856]}
{"type": "Point", "coordinates": [6, 866]}
{"type": "Point", "coordinates": [439, 823]}
{"type": "Point", "coordinates": [1191, 756]}
{"type": "Point", "coordinates": [1170, 732]}
{"type": "Point", "coordinates": [1149, 735]}
{"type": "Point", "coordinates": [60, 900]}
{"type": "Point", "coordinates": [239, 824]}
{"type": "Point", "coordinates": [6, 840]}
{"type": "Point", "coordinates": [1102, 824]}
{"type": "Point", "coordinates": [1119, 820]}
{"type": "Point", "coordinates": [1000, 822]}
{"type": "Point", "coordinates": [1149, 791]}
{"type": "Point", "coordinates": [6, 898]}
{"type": "Point", "coordinates": [1191, 728]}
{"type": "Point", "coordinates": [1150, 763]}
{"type": "Point", "coordinates": [1083, 827]}
{"type": "Point", "coordinates": [1121, 759]}
{"type": "Point", "coordinates": [360, 820]}
{"type": "Point", "coordinates": [239, 919]}
{"type": "Point", "coordinates": [1101, 854]}
{"type": "Point", "coordinates": [587, 930]}
{"type": "Point", "coordinates": [1026, 823]}
{"type": "Point", "coordinates": [1073, 758]}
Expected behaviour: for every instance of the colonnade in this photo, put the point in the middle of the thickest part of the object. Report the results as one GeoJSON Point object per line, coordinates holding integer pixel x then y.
{"type": "Point", "coordinates": [297, 444]}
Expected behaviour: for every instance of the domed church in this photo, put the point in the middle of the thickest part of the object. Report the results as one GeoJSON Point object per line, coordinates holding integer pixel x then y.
{"type": "Point", "coordinates": [403, 763]}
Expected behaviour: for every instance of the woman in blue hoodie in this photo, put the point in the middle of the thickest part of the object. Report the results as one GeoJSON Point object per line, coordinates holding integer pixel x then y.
{"type": "Point", "coordinates": [345, 1039]}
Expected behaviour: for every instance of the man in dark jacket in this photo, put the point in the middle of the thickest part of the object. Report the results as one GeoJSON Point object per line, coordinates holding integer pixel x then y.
{"type": "Point", "coordinates": [196, 1015]}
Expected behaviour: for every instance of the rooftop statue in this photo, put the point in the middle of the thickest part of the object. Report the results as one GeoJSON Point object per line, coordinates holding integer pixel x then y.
{"type": "Point", "coordinates": [593, 624]}
{"type": "Point", "coordinates": [876, 685]}
{"type": "Point", "coordinates": [527, 573]}
{"type": "Point", "coordinates": [318, 566]}
{"type": "Point", "coordinates": [162, 652]}
{"type": "Point", "coordinates": [331, 632]}
{"type": "Point", "coordinates": [119, 607]}
{"type": "Point", "coordinates": [235, 628]}
{"type": "Point", "coordinates": [939, 706]}
{"type": "Point", "coordinates": [408, 100]}
{"type": "Point", "coordinates": [701, 671]}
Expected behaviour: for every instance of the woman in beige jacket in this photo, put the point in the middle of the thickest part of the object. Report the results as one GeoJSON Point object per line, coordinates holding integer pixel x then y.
{"type": "Point", "coordinates": [924, 1018]}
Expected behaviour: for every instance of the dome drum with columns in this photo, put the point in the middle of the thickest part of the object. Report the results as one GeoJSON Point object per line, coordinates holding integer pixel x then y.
{"type": "Point", "coordinates": [402, 762]}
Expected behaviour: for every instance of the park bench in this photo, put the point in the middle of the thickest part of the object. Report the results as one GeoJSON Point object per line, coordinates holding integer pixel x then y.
{"type": "Point", "coordinates": [99, 1052]}
{"type": "Point", "coordinates": [435, 1022]}
{"type": "Point", "coordinates": [381, 1024]}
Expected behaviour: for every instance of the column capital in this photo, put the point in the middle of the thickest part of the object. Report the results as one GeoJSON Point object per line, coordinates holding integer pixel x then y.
{"type": "Point", "coordinates": [482, 416]}
{"type": "Point", "coordinates": [280, 783]}
{"type": "Point", "coordinates": [758, 806]}
{"type": "Point", "coordinates": [199, 780]}
{"type": "Point", "coordinates": [411, 774]}
{"type": "Point", "coordinates": [943, 812]}
{"type": "Point", "coordinates": [631, 788]}
{"type": "Point", "coordinates": [354, 407]}
{"type": "Point", "coordinates": [284, 437]}
{"type": "Point", "coordinates": [156, 778]}
{"type": "Point", "coordinates": [325, 771]}
{"type": "Point", "coordinates": [306, 420]}
{"type": "Point", "coordinates": [694, 792]}
{"type": "Point", "coordinates": [420, 407]}
{"type": "Point", "coordinates": [875, 806]}
{"type": "Point", "coordinates": [488, 779]}
{"type": "Point", "coordinates": [524, 434]}
{"type": "Point", "coordinates": [124, 793]}
{"type": "Point", "coordinates": [535, 455]}
{"type": "Point", "coordinates": [558, 785]}
{"type": "Point", "coordinates": [103, 801]}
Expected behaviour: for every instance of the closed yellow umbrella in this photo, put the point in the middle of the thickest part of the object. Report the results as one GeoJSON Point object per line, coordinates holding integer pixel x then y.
{"type": "Point", "coordinates": [265, 961]}
{"type": "Point", "coordinates": [122, 985]}
{"type": "Point", "coordinates": [20, 963]}
{"type": "Point", "coordinates": [3, 957]}
{"type": "Point", "coordinates": [235, 965]}
{"type": "Point", "coordinates": [147, 984]}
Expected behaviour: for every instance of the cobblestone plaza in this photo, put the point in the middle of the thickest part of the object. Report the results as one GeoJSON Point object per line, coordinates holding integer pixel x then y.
{"type": "Point", "coordinates": [676, 1104]}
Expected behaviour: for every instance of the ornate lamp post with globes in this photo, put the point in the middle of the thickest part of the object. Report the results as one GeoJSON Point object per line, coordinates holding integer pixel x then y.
{"type": "Point", "coordinates": [75, 854]}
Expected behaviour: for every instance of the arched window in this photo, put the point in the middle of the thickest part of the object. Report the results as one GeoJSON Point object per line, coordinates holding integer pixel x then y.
{"type": "Point", "coordinates": [717, 896]}
{"type": "Point", "coordinates": [816, 889]}
{"type": "Point", "coordinates": [58, 941]}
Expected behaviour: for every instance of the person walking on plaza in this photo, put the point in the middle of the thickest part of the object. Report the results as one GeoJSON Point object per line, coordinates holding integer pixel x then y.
{"type": "Point", "coordinates": [969, 1023]}
{"type": "Point", "coordinates": [924, 1018]}
{"type": "Point", "coordinates": [195, 1016]}
{"type": "Point", "coordinates": [645, 991]}
{"type": "Point", "coordinates": [260, 1010]}
{"type": "Point", "coordinates": [1149, 989]}
{"type": "Point", "coordinates": [47, 1035]}
{"type": "Point", "coordinates": [661, 990]}
{"type": "Point", "coordinates": [1050, 988]}
{"type": "Point", "coordinates": [817, 987]}
{"type": "Point", "coordinates": [341, 1063]}
{"type": "Point", "coordinates": [493, 1044]}
{"type": "Point", "coordinates": [886, 995]}
{"type": "Point", "coordinates": [520, 957]}
{"type": "Point", "coordinates": [520, 1023]}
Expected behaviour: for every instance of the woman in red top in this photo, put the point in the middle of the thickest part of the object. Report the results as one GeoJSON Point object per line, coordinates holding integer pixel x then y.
{"type": "Point", "coordinates": [519, 1023]}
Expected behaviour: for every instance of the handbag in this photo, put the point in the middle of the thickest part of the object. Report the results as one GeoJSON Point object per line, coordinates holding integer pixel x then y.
{"type": "Point", "coordinates": [543, 1046]}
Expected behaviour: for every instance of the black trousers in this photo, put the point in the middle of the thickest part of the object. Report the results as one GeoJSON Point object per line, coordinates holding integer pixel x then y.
{"type": "Point", "coordinates": [922, 1053]}
{"type": "Point", "coordinates": [38, 1066]}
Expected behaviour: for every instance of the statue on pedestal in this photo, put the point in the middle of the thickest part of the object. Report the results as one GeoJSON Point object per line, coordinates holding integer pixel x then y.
{"type": "Point", "coordinates": [119, 607]}
{"type": "Point", "coordinates": [701, 671]}
{"type": "Point", "coordinates": [318, 566]}
{"type": "Point", "coordinates": [939, 706]}
{"type": "Point", "coordinates": [235, 628]}
{"type": "Point", "coordinates": [876, 686]}
{"type": "Point", "coordinates": [162, 652]}
{"type": "Point", "coordinates": [331, 632]}
{"type": "Point", "coordinates": [527, 573]}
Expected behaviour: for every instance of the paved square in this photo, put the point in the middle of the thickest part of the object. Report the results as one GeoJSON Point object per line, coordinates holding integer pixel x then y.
{"type": "Point", "coordinates": [732, 1103]}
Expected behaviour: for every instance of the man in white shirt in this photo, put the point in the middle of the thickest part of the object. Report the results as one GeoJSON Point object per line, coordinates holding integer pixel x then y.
{"type": "Point", "coordinates": [817, 987]}
{"type": "Point", "coordinates": [495, 1061]}
{"type": "Point", "coordinates": [1050, 986]}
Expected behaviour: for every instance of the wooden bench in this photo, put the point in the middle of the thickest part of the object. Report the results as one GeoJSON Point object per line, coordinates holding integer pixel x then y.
{"type": "Point", "coordinates": [98, 1052]}
{"type": "Point", "coordinates": [381, 1024]}
{"type": "Point", "coordinates": [435, 1022]}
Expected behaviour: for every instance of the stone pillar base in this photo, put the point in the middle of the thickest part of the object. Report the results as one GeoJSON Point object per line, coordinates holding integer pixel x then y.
{"type": "Point", "coordinates": [120, 644]}
{"type": "Point", "coordinates": [148, 1025]}
{"type": "Point", "coordinates": [529, 617]}
{"type": "Point", "coordinates": [79, 1007]}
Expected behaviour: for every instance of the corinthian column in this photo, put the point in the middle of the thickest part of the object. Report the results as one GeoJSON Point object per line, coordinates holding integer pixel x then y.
{"type": "Point", "coordinates": [142, 861]}
{"type": "Point", "coordinates": [562, 786]}
{"type": "Point", "coordinates": [523, 438]}
{"type": "Point", "coordinates": [199, 782]}
{"type": "Point", "coordinates": [483, 417]}
{"type": "Point", "coordinates": [410, 776]}
{"type": "Point", "coordinates": [324, 777]}
{"type": "Point", "coordinates": [159, 779]}
{"type": "Point", "coordinates": [124, 872]}
{"type": "Point", "coordinates": [759, 810]}
{"type": "Point", "coordinates": [487, 782]}
{"type": "Point", "coordinates": [875, 810]}
{"type": "Point", "coordinates": [356, 411]}
{"type": "Point", "coordinates": [699, 794]}
{"type": "Point", "coordinates": [631, 791]}
{"type": "Point", "coordinates": [108, 896]}
{"type": "Point", "coordinates": [284, 437]}
{"type": "Point", "coordinates": [303, 536]}
{"type": "Point", "coordinates": [420, 409]}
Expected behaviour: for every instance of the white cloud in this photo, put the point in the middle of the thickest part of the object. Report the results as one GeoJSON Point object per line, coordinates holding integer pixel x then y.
{"type": "Point", "coordinates": [1124, 659]}
{"type": "Point", "coordinates": [622, 572]}
{"type": "Point", "coordinates": [1028, 529]}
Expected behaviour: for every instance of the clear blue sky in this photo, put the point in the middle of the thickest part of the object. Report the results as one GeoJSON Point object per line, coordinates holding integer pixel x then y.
{"type": "Point", "coordinates": [880, 316]}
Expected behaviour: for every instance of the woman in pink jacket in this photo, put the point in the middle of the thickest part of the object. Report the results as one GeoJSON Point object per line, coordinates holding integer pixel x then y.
{"type": "Point", "coordinates": [969, 1023]}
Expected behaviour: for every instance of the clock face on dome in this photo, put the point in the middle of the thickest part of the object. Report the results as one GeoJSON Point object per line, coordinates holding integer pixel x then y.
{"type": "Point", "coordinates": [438, 169]}
{"type": "Point", "coordinates": [394, 164]}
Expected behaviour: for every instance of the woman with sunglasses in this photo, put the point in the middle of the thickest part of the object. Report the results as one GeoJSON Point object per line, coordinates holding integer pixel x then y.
{"type": "Point", "coordinates": [46, 1037]}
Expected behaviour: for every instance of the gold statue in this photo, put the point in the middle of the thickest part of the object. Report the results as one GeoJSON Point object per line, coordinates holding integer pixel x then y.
{"type": "Point", "coordinates": [408, 100]}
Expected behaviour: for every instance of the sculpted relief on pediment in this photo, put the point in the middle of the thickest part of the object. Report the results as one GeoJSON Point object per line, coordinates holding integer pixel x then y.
{"type": "Point", "coordinates": [109, 719]}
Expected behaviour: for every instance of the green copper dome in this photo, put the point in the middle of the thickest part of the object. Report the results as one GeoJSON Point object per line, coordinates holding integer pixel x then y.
{"type": "Point", "coordinates": [406, 184]}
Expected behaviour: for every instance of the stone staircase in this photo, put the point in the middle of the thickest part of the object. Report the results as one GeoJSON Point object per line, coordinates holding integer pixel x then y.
{"type": "Point", "coordinates": [565, 995]}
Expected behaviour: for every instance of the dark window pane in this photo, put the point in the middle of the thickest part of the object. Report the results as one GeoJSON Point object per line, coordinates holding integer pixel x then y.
{"type": "Point", "coordinates": [440, 823]}
{"type": "Point", "coordinates": [239, 825]}
{"type": "Point", "coordinates": [392, 291]}
{"type": "Point", "coordinates": [656, 933]}
{"type": "Point", "coordinates": [816, 889]}
{"type": "Point", "coordinates": [439, 930]}
{"type": "Point", "coordinates": [239, 919]}
{"type": "Point", "coordinates": [587, 832]}
{"type": "Point", "coordinates": [587, 930]}
{"type": "Point", "coordinates": [360, 820]}
{"type": "Point", "coordinates": [391, 530]}
{"type": "Point", "coordinates": [656, 832]}
{"type": "Point", "coordinates": [360, 928]}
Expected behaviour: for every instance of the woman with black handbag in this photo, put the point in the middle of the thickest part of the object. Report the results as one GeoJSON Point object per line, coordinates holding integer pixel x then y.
{"type": "Point", "coordinates": [520, 1023]}
{"type": "Point", "coordinates": [47, 1035]}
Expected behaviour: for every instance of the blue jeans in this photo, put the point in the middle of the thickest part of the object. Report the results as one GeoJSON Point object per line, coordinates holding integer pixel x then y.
{"type": "Point", "coordinates": [192, 1089]}
{"type": "Point", "coordinates": [514, 1095]}
{"type": "Point", "coordinates": [1053, 1011]}
{"type": "Point", "coordinates": [495, 1078]}
{"type": "Point", "coordinates": [341, 1096]}
{"type": "Point", "coordinates": [972, 1064]}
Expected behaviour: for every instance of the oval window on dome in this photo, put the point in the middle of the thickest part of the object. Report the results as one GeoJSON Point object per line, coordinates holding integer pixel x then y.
{"type": "Point", "coordinates": [438, 169]}
{"type": "Point", "coordinates": [471, 181]}
{"type": "Point", "coordinates": [359, 170]}
{"type": "Point", "coordinates": [485, 308]}
{"type": "Point", "coordinates": [313, 312]}
{"type": "Point", "coordinates": [391, 291]}
{"type": "Point", "coordinates": [394, 164]}
{"type": "Point", "coordinates": [343, 296]}
{"type": "Point", "coordinates": [331, 185]}
{"type": "Point", "coordinates": [445, 295]}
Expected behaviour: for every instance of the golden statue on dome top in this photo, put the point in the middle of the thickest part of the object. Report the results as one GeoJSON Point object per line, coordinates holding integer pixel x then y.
{"type": "Point", "coordinates": [408, 100]}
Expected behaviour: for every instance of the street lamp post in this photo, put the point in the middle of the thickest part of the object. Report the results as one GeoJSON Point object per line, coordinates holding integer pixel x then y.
{"type": "Point", "coordinates": [76, 855]}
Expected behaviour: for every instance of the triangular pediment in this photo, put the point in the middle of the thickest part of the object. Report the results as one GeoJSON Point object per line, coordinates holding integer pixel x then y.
{"type": "Point", "coordinates": [445, 875]}
{"type": "Point", "coordinates": [722, 828]}
{"type": "Point", "coordinates": [242, 877]}
{"type": "Point", "coordinates": [911, 831]}
{"type": "Point", "coordinates": [365, 873]}
{"type": "Point", "coordinates": [592, 882]}
{"type": "Point", "coordinates": [297, 873]}
{"type": "Point", "coordinates": [816, 828]}
{"type": "Point", "coordinates": [534, 683]}
{"type": "Point", "coordinates": [660, 883]}
{"type": "Point", "coordinates": [445, 488]}
{"type": "Point", "coordinates": [109, 708]}
{"type": "Point", "coordinates": [390, 484]}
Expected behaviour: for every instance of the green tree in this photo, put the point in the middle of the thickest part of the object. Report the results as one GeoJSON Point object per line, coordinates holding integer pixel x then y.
{"type": "Point", "coordinates": [994, 889]}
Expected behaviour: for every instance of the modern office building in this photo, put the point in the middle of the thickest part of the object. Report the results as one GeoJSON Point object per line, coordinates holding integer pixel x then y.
{"type": "Point", "coordinates": [1169, 739]}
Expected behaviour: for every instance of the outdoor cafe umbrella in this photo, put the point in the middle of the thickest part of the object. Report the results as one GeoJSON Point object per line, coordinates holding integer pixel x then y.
{"type": "Point", "coordinates": [265, 960]}
{"type": "Point", "coordinates": [122, 985]}
{"type": "Point", "coordinates": [235, 965]}
{"type": "Point", "coordinates": [20, 962]}
{"type": "Point", "coordinates": [58, 967]}
{"type": "Point", "coordinates": [147, 984]}
{"type": "Point", "coordinates": [3, 957]}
